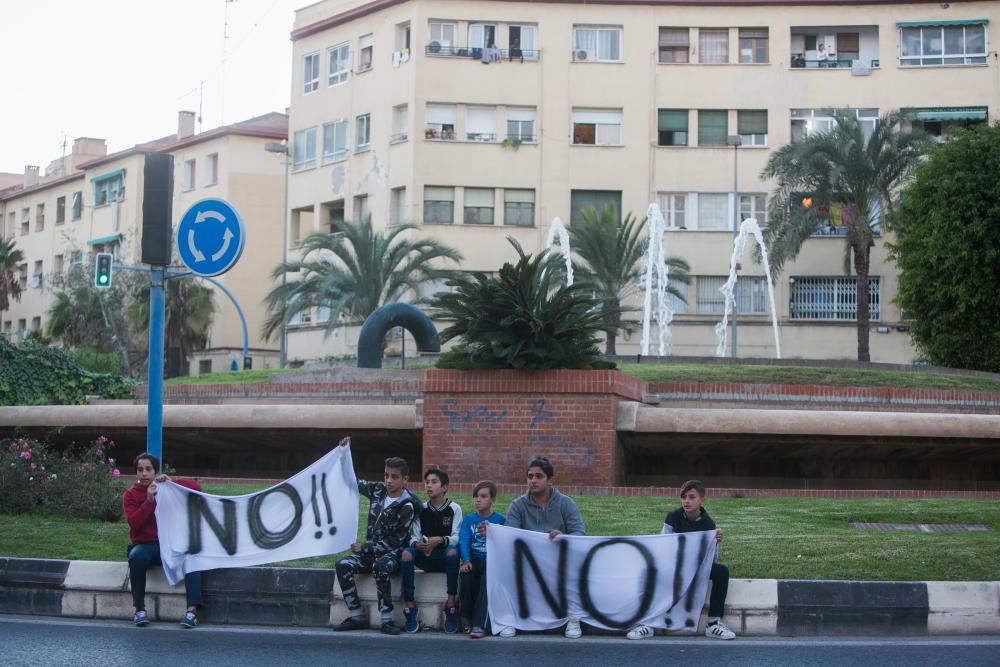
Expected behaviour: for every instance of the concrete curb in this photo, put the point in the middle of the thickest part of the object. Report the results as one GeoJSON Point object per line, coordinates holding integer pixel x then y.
{"type": "Point", "coordinates": [311, 597]}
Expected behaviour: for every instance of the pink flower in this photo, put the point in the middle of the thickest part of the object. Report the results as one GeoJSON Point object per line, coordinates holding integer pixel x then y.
{"type": "Point", "coordinates": [33, 466]}
{"type": "Point", "coordinates": [26, 456]}
{"type": "Point", "coordinates": [116, 473]}
{"type": "Point", "coordinates": [111, 461]}
{"type": "Point", "coordinates": [100, 452]}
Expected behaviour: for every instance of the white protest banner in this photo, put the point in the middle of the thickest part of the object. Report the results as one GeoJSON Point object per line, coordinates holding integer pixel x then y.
{"type": "Point", "coordinates": [312, 514]}
{"type": "Point", "coordinates": [535, 583]}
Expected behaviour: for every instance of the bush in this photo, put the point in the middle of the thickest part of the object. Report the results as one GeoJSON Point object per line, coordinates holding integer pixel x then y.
{"type": "Point", "coordinates": [32, 374]}
{"type": "Point", "coordinates": [109, 363]}
{"type": "Point", "coordinates": [82, 482]}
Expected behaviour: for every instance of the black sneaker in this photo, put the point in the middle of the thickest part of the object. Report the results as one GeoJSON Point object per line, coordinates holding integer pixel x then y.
{"type": "Point", "coordinates": [141, 619]}
{"type": "Point", "coordinates": [352, 623]}
{"type": "Point", "coordinates": [390, 628]}
{"type": "Point", "coordinates": [190, 620]}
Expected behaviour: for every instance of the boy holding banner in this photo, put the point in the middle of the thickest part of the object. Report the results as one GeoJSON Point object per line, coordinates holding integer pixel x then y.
{"type": "Point", "coordinates": [472, 544]}
{"type": "Point", "coordinates": [692, 517]}
{"type": "Point", "coordinates": [391, 511]}
{"type": "Point", "coordinates": [139, 503]}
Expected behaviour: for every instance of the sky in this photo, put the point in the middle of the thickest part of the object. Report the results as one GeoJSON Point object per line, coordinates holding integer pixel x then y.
{"type": "Point", "coordinates": [120, 70]}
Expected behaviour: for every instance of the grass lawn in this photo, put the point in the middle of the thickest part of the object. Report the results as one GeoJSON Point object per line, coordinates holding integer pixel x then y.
{"type": "Point", "coordinates": [845, 377]}
{"type": "Point", "coordinates": [776, 538]}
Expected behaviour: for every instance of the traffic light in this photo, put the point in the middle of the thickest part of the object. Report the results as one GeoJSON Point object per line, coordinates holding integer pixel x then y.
{"type": "Point", "coordinates": [102, 269]}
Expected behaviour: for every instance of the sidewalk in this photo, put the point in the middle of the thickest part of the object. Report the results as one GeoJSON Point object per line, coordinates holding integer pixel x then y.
{"type": "Point", "coordinates": [311, 598]}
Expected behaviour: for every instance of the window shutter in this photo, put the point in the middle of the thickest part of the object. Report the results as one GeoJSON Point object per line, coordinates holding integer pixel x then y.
{"type": "Point", "coordinates": [673, 120]}
{"type": "Point", "coordinates": [751, 122]}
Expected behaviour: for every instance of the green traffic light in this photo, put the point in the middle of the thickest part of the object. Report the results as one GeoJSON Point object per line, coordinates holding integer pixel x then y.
{"type": "Point", "coordinates": [103, 279]}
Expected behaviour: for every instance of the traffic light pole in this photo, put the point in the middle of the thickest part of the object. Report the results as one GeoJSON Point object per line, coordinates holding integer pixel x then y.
{"type": "Point", "coordinates": [154, 395]}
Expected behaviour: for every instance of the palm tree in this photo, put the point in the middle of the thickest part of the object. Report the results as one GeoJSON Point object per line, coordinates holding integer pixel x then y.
{"type": "Point", "coordinates": [613, 254]}
{"type": "Point", "coordinates": [840, 166]}
{"type": "Point", "coordinates": [10, 282]}
{"type": "Point", "coordinates": [189, 313]}
{"type": "Point", "coordinates": [354, 271]}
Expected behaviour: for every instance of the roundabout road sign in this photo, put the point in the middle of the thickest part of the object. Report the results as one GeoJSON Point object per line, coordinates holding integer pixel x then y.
{"type": "Point", "coordinates": [210, 237]}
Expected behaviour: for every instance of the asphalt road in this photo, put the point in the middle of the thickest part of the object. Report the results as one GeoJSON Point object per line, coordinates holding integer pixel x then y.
{"type": "Point", "coordinates": [26, 640]}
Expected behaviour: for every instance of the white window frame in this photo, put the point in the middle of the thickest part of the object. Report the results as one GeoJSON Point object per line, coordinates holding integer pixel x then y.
{"type": "Point", "coordinates": [304, 149]}
{"type": "Point", "coordinates": [756, 139]}
{"type": "Point", "coordinates": [400, 123]}
{"type": "Point", "coordinates": [363, 133]}
{"type": "Point", "coordinates": [310, 72]}
{"type": "Point", "coordinates": [587, 39]}
{"type": "Point", "coordinates": [521, 124]}
{"type": "Point", "coordinates": [442, 28]}
{"type": "Point", "coordinates": [189, 172]}
{"type": "Point", "coordinates": [815, 120]}
{"type": "Point", "coordinates": [335, 141]}
{"type": "Point", "coordinates": [938, 59]}
{"type": "Point", "coordinates": [753, 205]}
{"type": "Point", "coordinates": [440, 121]}
{"type": "Point", "coordinates": [701, 46]}
{"type": "Point", "coordinates": [342, 54]}
{"type": "Point", "coordinates": [443, 192]}
{"type": "Point", "coordinates": [480, 123]}
{"type": "Point", "coordinates": [674, 207]}
{"type": "Point", "coordinates": [707, 224]}
{"type": "Point", "coordinates": [366, 43]}
{"type": "Point", "coordinates": [607, 132]}
{"type": "Point", "coordinates": [211, 176]}
{"type": "Point", "coordinates": [479, 206]}
{"type": "Point", "coordinates": [518, 206]}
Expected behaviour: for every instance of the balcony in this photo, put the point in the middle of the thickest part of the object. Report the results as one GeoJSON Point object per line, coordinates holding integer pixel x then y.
{"type": "Point", "coordinates": [439, 50]}
{"type": "Point", "coordinates": [834, 47]}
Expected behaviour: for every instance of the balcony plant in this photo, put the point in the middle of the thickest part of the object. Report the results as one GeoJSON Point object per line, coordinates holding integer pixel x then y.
{"type": "Point", "coordinates": [513, 143]}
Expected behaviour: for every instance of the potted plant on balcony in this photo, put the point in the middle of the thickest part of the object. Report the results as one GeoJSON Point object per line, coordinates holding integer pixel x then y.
{"type": "Point", "coordinates": [513, 143]}
{"type": "Point", "coordinates": [430, 133]}
{"type": "Point", "coordinates": [447, 134]}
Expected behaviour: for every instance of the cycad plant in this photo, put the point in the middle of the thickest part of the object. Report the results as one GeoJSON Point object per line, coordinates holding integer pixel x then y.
{"type": "Point", "coordinates": [523, 318]}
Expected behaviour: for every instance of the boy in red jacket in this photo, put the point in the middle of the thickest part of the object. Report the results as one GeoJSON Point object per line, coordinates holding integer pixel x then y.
{"type": "Point", "coordinates": [144, 546]}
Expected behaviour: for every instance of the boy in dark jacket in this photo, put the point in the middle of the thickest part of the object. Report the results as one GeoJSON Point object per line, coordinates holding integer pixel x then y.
{"type": "Point", "coordinates": [390, 518]}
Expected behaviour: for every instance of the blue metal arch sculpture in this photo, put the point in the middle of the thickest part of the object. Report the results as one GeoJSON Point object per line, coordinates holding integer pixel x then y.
{"type": "Point", "coordinates": [394, 315]}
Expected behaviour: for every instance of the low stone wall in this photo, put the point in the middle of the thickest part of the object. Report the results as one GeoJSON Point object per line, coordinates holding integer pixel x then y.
{"type": "Point", "coordinates": [311, 597]}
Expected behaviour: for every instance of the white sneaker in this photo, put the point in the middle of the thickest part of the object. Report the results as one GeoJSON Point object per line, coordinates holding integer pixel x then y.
{"type": "Point", "coordinates": [640, 632]}
{"type": "Point", "coordinates": [719, 631]}
{"type": "Point", "coordinates": [573, 630]}
{"type": "Point", "coordinates": [508, 632]}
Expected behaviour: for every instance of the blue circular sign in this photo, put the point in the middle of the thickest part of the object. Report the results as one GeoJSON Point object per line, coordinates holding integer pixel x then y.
{"type": "Point", "coordinates": [210, 237]}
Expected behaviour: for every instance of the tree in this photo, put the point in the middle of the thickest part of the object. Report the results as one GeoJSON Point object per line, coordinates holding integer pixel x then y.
{"type": "Point", "coordinates": [189, 313]}
{"type": "Point", "coordinates": [354, 271]}
{"type": "Point", "coordinates": [840, 166]}
{"type": "Point", "coordinates": [525, 317]}
{"type": "Point", "coordinates": [948, 252]}
{"type": "Point", "coordinates": [613, 254]}
{"type": "Point", "coordinates": [10, 282]}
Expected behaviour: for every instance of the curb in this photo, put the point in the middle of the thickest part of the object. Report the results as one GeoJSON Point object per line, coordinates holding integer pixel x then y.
{"type": "Point", "coordinates": [311, 598]}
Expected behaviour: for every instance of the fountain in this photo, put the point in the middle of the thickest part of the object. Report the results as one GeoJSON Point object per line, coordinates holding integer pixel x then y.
{"type": "Point", "coordinates": [656, 260]}
{"type": "Point", "coordinates": [748, 226]}
{"type": "Point", "coordinates": [558, 228]}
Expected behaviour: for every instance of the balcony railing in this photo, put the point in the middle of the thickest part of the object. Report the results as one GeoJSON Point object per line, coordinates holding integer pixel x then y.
{"type": "Point", "coordinates": [799, 62]}
{"type": "Point", "coordinates": [398, 137]}
{"type": "Point", "coordinates": [439, 50]}
{"type": "Point", "coordinates": [480, 136]}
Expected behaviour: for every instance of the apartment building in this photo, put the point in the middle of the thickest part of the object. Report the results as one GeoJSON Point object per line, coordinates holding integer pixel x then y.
{"type": "Point", "coordinates": [91, 201]}
{"type": "Point", "coordinates": [482, 120]}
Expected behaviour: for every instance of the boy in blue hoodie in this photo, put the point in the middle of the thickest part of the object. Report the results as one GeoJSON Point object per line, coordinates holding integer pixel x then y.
{"type": "Point", "coordinates": [472, 544]}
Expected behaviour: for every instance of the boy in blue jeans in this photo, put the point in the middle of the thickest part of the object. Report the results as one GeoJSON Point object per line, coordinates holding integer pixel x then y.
{"type": "Point", "coordinates": [472, 543]}
{"type": "Point", "coordinates": [434, 548]}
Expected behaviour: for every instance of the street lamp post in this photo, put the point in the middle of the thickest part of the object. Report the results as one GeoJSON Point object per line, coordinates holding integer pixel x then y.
{"type": "Point", "coordinates": [735, 141]}
{"type": "Point", "coordinates": [282, 149]}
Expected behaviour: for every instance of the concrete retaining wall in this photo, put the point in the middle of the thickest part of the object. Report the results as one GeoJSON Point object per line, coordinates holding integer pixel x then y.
{"type": "Point", "coordinates": [311, 597]}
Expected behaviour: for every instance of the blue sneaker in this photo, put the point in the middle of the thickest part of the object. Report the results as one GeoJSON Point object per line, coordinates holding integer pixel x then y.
{"type": "Point", "coordinates": [412, 624]}
{"type": "Point", "coordinates": [450, 621]}
{"type": "Point", "coordinates": [141, 619]}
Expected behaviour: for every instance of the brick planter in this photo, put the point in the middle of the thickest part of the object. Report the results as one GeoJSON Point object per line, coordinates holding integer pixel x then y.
{"type": "Point", "coordinates": [488, 424]}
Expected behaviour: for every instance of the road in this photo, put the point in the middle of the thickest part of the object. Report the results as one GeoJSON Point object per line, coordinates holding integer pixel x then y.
{"type": "Point", "coordinates": [26, 640]}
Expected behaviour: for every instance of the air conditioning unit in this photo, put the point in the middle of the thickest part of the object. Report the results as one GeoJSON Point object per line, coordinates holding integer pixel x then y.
{"type": "Point", "coordinates": [860, 68]}
{"type": "Point", "coordinates": [434, 46]}
{"type": "Point", "coordinates": [582, 54]}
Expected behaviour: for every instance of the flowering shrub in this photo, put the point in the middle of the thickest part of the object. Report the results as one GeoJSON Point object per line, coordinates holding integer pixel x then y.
{"type": "Point", "coordinates": [82, 482]}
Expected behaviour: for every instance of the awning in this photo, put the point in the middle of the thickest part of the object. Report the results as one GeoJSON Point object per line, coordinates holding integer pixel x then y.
{"type": "Point", "coordinates": [921, 24]}
{"type": "Point", "coordinates": [110, 174]}
{"type": "Point", "coordinates": [951, 114]}
{"type": "Point", "coordinates": [114, 238]}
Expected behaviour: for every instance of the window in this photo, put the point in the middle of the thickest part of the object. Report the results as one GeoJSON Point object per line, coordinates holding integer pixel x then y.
{"type": "Point", "coordinates": [942, 122]}
{"type": "Point", "coordinates": [753, 206]}
{"type": "Point", "coordinates": [440, 119]}
{"type": "Point", "coordinates": [673, 205]}
{"type": "Point", "coordinates": [521, 124]}
{"type": "Point", "coordinates": [478, 206]}
{"type": "Point", "coordinates": [397, 210]}
{"type": "Point", "coordinates": [77, 206]}
{"type": "Point", "coordinates": [334, 141]}
{"type": "Point", "coordinates": [597, 44]}
{"type": "Point", "coordinates": [942, 44]}
{"type": "Point", "coordinates": [204, 366]}
{"type": "Point", "coordinates": [750, 295]}
{"type": "Point", "coordinates": [751, 125]}
{"type": "Point", "coordinates": [580, 199]}
{"type": "Point", "coordinates": [713, 45]}
{"type": "Point", "coordinates": [334, 212]}
{"type": "Point", "coordinates": [441, 37]}
{"type": "Point", "coordinates": [713, 212]}
{"type": "Point", "coordinates": [310, 73]}
{"type": "Point", "coordinates": [188, 179]}
{"type": "Point", "coordinates": [480, 123]}
{"type": "Point", "coordinates": [11, 224]}
{"type": "Point", "coordinates": [57, 264]}
{"type": "Point", "coordinates": [211, 169]}
{"type": "Point", "coordinates": [439, 205]}
{"type": "Point", "coordinates": [366, 46]}
{"type": "Point", "coordinates": [25, 221]}
{"type": "Point", "coordinates": [753, 45]}
{"type": "Point", "coordinates": [481, 35]}
{"type": "Point", "coordinates": [833, 298]}
{"type": "Point", "coordinates": [22, 277]}
{"type": "Point", "coordinates": [523, 42]}
{"type": "Point", "coordinates": [403, 36]}
{"type": "Point", "coordinates": [60, 210]}
{"type": "Point", "coordinates": [338, 64]}
{"type": "Point", "coordinates": [713, 127]}
{"type": "Point", "coordinates": [109, 188]}
{"type": "Point", "coordinates": [304, 149]}
{"type": "Point", "coordinates": [400, 123]}
{"type": "Point", "coordinates": [39, 217]}
{"type": "Point", "coordinates": [519, 208]}
{"type": "Point", "coordinates": [361, 212]}
{"type": "Point", "coordinates": [674, 45]}
{"type": "Point", "coordinates": [810, 121]}
{"type": "Point", "coordinates": [673, 127]}
{"type": "Point", "coordinates": [600, 127]}
{"type": "Point", "coordinates": [363, 137]}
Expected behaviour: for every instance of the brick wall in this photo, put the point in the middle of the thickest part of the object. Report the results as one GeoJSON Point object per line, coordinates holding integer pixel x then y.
{"type": "Point", "coordinates": [489, 425]}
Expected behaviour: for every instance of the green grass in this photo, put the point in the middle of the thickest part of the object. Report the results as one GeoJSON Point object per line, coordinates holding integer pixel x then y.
{"type": "Point", "coordinates": [775, 538]}
{"type": "Point", "coordinates": [846, 377]}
